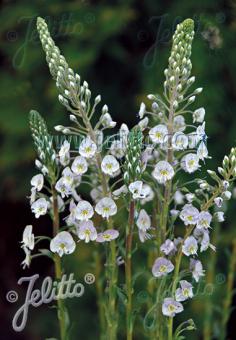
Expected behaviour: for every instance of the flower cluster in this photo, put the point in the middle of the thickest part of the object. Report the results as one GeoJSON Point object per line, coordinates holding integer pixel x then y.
{"type": "Point", "coordinates": [142, 175]}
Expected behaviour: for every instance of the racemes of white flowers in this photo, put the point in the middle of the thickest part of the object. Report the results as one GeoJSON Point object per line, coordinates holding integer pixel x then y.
{"type": "Point", "coordinates": [27, 244]}
{"type": "Point", "coordinates": [64, 153]}
{"type": "Point", "coordinates": [84, 211]}
{"type": "Point", "coordinates": [40, 207]}
{"type": "Point", "coordinates": [162, 267]}
{"type": "Point", "coordinates": [184, 292]}
{"type": "Point", "coordinates": [163, 172]}
{"type": "Point", "coordinates": [110, 166]}
{"type": "Point", "coordinates": [79, 165]}
{"type": "Point", "coordinates": [28, 238]}
{"type": "Point", "coordinates": [86, 231]}
{"type": "Point", "coordinates": [107, 236]}
{"type": "Point", "coordinates": [159, 134]}
{"type": "Point", "coordinates": [153, 180]}
{"type": "Point", "coordinates": [106, 207]}
{"type": "Point", "coordinates": [37, 182]}
{"type": "Point", "coordinates": [170, 307]}
{"type": "Point", "coordinates": [62, 243]}
{"type": "Point", "coordinates": [87, 148]}
{"type": "Point", "coordinates": [143, 221]}
{"type": "Point", "coordinates": [139, 190]}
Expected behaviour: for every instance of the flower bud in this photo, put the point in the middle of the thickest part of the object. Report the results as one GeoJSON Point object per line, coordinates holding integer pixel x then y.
{"type": "Point", "coordinates": [59, 127]}
{"type": "Point", "coordinates": [226, 195]}
{"type": "Point", "coordinates": [219, 216]}
{"type": "Point", "coordinates": [198, 90]}
{"type": "Point", "coordinates": [73, 118]}
{"type": "Point", "coordinates": [151, 97]}
{"type": "Point", "coordinates": [218, 201]}
{"type": "Point", "coordinates": [97, 99]}
{"type": "Point", "coordinates": [191, 99]}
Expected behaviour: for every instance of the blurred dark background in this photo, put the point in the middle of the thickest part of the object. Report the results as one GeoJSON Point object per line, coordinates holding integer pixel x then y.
{"type": "Point", "coordinates": [121, 48]}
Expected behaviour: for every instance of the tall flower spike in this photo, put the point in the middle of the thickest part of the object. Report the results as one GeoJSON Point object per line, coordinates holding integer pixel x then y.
{"type": "Point", "coordinates": [73, 95]}
{"type": "Point", "coordinates": [132, 165]}
{"type": "Point", "coordinates": [43, 142]}
{"type": "Point", "coordinates": [179, 69]}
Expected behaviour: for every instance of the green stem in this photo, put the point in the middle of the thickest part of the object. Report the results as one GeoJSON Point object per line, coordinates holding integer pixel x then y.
{"type": "Point", "coordinates": [229, 292]}
{"type": "Point", "coordinates": [112, 272]}
{"type": "Point", "coordinates": [128, 271]}
{"type": "Point", "coordinates": [176, 275]}
{"type": "Point", "coordinates": [99, 289]}
{"type": "Point", "coordinates": [209, 280]}
{"type": "Point", "coordinates": [170, 328]}
{"type": "Point", "coordinates": [58, 268]}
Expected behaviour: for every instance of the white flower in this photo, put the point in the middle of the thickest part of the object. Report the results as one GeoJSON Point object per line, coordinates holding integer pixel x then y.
{"type": "Point", "coordinates": [107, 121]}
{"type": "Point", "coordinates": [79, 165]}
{"type": "Point", "coordinates": [149, 194]}
{"type": "Point", "coordinates": [168, 247]}
{"type": "Point", "coordinates": [124, 132]}
{"type": "Point", "coordinates": [28, 238]}
{"type": "Point", "coordinates": [27, 260]}
{"type": "Point", "coordinates": [198, 115]}
{"type": "Point", "coordinates": [62, 243]}
{"type": "Point", "coordinates": [33, 195]}
{"type": "Point", "coordinates": [86, 231]}
{"type": "Point", "coordinates": [178, 197]}
{"type": "Point", "coordinates": [107, 235]}
{"type": "Point", "coordinates": [159, 134]}
{"type": "Point", "coordinates": [143, 123]}
{"type": "Point", "coordinates": [143, 222]}
{"type": "Point", "coordinates": [193, 140]}
{"type": "Point", "coordinates": [110, 165]}
{"type": "Point", "coordinates": [138, 189]}
{"type": "Point", "coordinates": [40, 207]}
{"type": "Point", "coordinates": [84, 211]}
{"type": "Point", "coordinates": [68, 177]}
{"type": "Point", "coordinates": [179, 123]}
{"type": "Point", "coordinates": [37, 182]}
{"type": "Point", "coordinates": [170, 307]}
{"type": "Point", "coordinates": [64, 153]}
{"type": "Point", "coordinates": [202, 151]}
{"type": "Point", "coordinates": [189, 214]}
{"type": "Point", "coordinates": [190, 197]}
{"type": "Point", "coordinates": [106, 207]}
{"type": "Point", "coordinates": [200, 131]}
{"type": "Point", "coordinates": [87, 148]}
{"type": "Point", "coordinates": [65, 148]}
{"type": "Point", "coordinates": [204, 219]}
{"type": "Point", "coordinates": [117, 149]}
{"type": "Point", "coordinates": [162, 267]}
{"type": "Point", "coordinates": [190, 246]}
{"type": "Point", "coordinates": [123, 190]}
{"type": "Point", "coordinates": [63, 188]}
{"type": "Point", "coordinates": [184, 292]}
{"type": "Point", "coordinates": [190, 163]}
{"type": "Point", "coordinates": [196, 269]}
{"type": "Point", "coordinates": [163, 172]}
{"type": "Point", "coordinates": [202, 235]}
{"type": "Point", "coordinates": [142, 110]}
{"type": "Point", "coordinates": [179, 141]}
{"type": "Point", "coordinates": [71, 219]}
{"type": "Point", "coordinates": [143, 235]}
